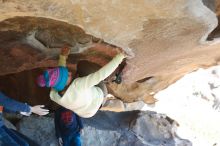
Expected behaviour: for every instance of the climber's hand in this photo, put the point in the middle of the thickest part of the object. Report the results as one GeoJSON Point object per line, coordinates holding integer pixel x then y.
{"type": "Point", "coordinates": [38, 109]}
{"type": "Point", "coordinates": [118, 50]}
{"type": "Point", "coordinates": [126, 54]}
{"type": "Point", "coordinates": [60, 141]}
{"type": "Point", "coordinates": [65, 51]}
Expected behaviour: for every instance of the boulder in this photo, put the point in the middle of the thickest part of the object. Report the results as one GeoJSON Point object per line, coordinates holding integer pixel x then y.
{"type": "Point", "coordinates": [111, 129]}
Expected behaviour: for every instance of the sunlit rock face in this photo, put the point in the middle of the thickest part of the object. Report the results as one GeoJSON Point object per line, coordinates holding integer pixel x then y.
{"type": "Point", "coordinates": [164, 37]}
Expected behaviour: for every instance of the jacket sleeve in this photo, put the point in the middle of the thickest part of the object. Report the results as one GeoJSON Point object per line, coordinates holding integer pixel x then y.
{"type": "Point", "coordinates": [79, 121]}
{"type": "Point", "coordinates": [5, 110]}
{"type": "Point", "coordinates": [56, 122]}
{"type": "Point", "coordinates": [62, 60]}
{"type": "Point", "coordinates": [96, 77]}
{"type": "Point", "coordinates": [13, 105]}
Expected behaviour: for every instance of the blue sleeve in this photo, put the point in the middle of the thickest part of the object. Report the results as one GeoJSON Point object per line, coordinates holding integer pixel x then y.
{"type": "Point", "coordinates": [56, 122]}
{"type": "Point", "coordinates": [5, 110]}
{"type": "Point", "coordinates": [79, 121]}
{"type": "Point", "coordinates": [12, 105]}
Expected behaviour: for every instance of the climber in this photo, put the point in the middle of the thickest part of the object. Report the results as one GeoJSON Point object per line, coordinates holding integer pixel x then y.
{"type": "Point", "coordinates": [83, 94]}
{"type": "Point", "coordinates": [68, 127]}
{"type": "Point", "coordinates": [9, 137]}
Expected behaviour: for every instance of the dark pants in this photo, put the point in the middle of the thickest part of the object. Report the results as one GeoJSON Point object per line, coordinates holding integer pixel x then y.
{"type": "Point", "coordinates": [9, 137]}
{"type": "Point", "coordinates": [72, 140]}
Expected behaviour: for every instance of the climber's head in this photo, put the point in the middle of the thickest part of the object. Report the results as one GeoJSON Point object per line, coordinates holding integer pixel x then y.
{"type": "Point", "coordinates": [56, 78]}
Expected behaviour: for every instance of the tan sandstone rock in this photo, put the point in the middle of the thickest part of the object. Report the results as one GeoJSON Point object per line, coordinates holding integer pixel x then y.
{"type": "Point", "coordinates": [164, 37]}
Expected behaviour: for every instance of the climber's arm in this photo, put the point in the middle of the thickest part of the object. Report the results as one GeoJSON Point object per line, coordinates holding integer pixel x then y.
{"type": "Point", "coordinates": [96, 77]}
{"type": "Point", "coordinates": [63, 56]}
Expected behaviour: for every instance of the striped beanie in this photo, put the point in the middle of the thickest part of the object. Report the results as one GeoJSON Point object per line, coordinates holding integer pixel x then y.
{"type": "Point", "coordinates": [55, 78]}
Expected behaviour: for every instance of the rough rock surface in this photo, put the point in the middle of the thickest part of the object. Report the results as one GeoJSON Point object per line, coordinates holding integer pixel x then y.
{"type": "Point", "coordinates": [110, 129]}
{"type": "Point", "coordinates": [8, 124]}
{"type": "Point", "coordinates": [164, 37]}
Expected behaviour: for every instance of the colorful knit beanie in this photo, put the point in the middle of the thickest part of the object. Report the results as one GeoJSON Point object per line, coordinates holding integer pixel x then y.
{"type": "Point", "coordinates": [55, 78]}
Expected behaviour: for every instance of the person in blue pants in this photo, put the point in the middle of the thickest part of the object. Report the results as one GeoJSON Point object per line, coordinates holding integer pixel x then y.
{"type": "Point", "coordinates": [68, 126]}
{"type": "Point", "coordinates": [9, 137]}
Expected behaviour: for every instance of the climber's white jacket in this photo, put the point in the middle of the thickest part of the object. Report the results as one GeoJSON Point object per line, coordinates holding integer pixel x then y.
{"type": "Point", "coordinates": [82, 96]}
